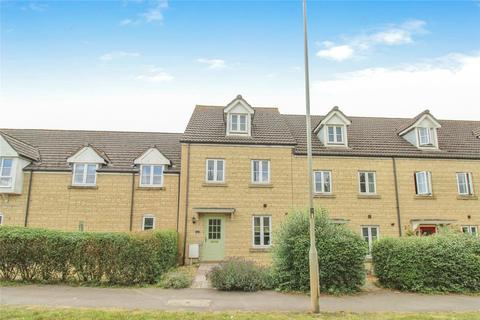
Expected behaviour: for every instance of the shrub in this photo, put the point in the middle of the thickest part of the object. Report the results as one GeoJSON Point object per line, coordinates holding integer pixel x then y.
{"type": "Point", "coordinates": [443, 262]}
{"type": "Point", "coordinates": [240, 275]}
{"type": "Point", "coordinates": [115, 258]}
{"type": "Point", "coordinates": [177, 279]}
{"type": "Point", "coordinates": [341, 254]}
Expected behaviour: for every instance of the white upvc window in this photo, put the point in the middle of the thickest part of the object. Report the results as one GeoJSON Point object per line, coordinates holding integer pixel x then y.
{"type": "Point", "coordinates": [84, 174]}
{"type": "Point", "coordinates": [148, 222]}
{"type": "Point", "coordinates": [6, 172]}
{"type": "Point", "coordinates": [335, 135]}
{"type": "Point", "coordinates": [370, 234]}
{"type": "Point", "coordinates": [323, 181]}
{"type": "Point", "coordinates": [1, 218]}
{"type": "Point", "coordinates": [151, 175]}
{"type": "Point", "coordinates": [465, 183]}
{"type": "Point", "coordinates": [262, 231]}
{"type": "Point", "coordinates": [215, 170]}
{"type": "Point", "coordinates": [473, 230]}
{"type": "Point", "coordinates": [261, 171]}
{"type": "Point", "coordinates": [238, 123]}
{"type": "Point", "coordinates": [423, 183]}
{"type": "Point", "coordinates": [426, 136]}
{"type": "Point", "coordinates": [367, 183]}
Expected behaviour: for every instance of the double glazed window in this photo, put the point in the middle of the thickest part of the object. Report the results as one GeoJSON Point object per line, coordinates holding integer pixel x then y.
{"type": "Point", "coordinates": [6, 168]}
{"type": "Point", "coordinates": [464, 184]}
{"type": "Point", "coordinates": [260, 171]}
{"type": "Point", "coordinates": [84, 174]}
{"type": "Point", "coordinates": [335, 135]}
{"type": "Point", "coordinates": [262, 228]}
{"type": "Point", "coordinates": [148, 222]}
{"type": "Point", "coordinates": [473, 230]}
{"type": "Point", "coordinates": [323, 181]}
{"type": "Point", "coordinates": [238, 123]}
{"type": "Point", "coordinates": [1, 219]}
{"type": "Point", "coordinates": [370, 235]}
{"type": "Point", "coordinates": [151, 175]}
{"type": "Point", "coordinates": [367, 182]}
{"type": "Point", "coordinates": [423, 183]}
{"type": "Point", "coordinates": [215, 170]}
{"type": "Point", "coordinates": [426, 136]}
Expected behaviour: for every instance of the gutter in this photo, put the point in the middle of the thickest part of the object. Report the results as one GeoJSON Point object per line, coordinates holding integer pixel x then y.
{"type": "Point", "coordinates": [186, 205]}
{"type": "Point", "coordinates": [27, 208]}
{"type": "Point", "coordinates": [397, 200]}
{"type": "Point", "coordinates": [132, 201]}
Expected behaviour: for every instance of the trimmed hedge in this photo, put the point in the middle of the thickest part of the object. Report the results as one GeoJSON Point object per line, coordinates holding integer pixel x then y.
{"type": "Point", "coordinates": [437, 263]}
{"type": "Point", "coordinates": [240, 275]}
{"type": "Point", "coordinates": [115, 258]}
{"type": "Point", "coordinates": [341, 254]}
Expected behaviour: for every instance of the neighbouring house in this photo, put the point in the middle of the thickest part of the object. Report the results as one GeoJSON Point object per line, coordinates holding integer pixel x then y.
{"type": "Point", "coordinates": [227, 182]}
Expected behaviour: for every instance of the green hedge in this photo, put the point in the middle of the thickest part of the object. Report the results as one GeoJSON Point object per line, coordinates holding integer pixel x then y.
{"type": "Point", "coordinates": [341, 254]}
{"type": "Point", "coordinates": [446, 263]}
{"type": "Point", "coordinates": [240, 275]}
{"type": "Point", "coordinates": [115, 258]}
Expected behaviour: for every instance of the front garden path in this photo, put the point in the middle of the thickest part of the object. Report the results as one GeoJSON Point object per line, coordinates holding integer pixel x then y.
{"type": "Point", "coordinates": [213, 300]}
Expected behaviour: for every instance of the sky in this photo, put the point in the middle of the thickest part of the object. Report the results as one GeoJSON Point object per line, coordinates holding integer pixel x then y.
{"type": "Point", "coordinates": [144, 65]}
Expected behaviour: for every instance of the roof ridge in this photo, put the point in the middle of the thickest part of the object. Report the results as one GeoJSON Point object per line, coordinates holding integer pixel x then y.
{"type": "Point", "coordinates": [85, 130]}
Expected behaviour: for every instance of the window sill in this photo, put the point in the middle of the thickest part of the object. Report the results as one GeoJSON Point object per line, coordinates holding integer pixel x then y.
{"type": "Point", "coordinates": [324, 195]}
{"type": "Point", "coordinates": [214, 184]}
{"type": "Point", "coordinates": [150, 188]}
{"type": "Point", "coordinates": [424, 197]}
{"type": "Point", "coordinates": [82, 187]}
{"type": "Point", "coordinates": [260, 185]}
{"type": "Point", "coordinates": [260, 249]}
{"type": "Point", "coordinates": [369, 196]}
{"type": "Point", "coordinates": [470, 197]}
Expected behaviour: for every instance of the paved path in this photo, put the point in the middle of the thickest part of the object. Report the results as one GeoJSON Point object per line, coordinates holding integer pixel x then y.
{"type": "Point", "coordinates": [212, 300]}
{"type": "Point", "coordinates": [201, 281]}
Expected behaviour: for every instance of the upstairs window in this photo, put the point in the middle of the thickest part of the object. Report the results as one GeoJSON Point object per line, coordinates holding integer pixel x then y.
{"type": "Point", "coordinates": [238, 123]}
{"type": "Point", "coordinates": [423, 183]}
{"type": "Point", "coordinates": [335, 135]}
{"type": "Point", "coordinates": [215, 170]}
{"type": "Point", "coordinates": [323, 181]}
{"type": "Point", "coordinates": [262, 226]}
{"type": "Point", "coordinates": [6, 165]}
{"type": "Point", "coordinates": [151, 175]}
{"type": "Point", "coordinates": [464, 183]}
{"type": "Point", "coordinates": [260, 171]}
{"type": "Point", "coordinates": [426, 136]}
{"type": "Point", "coordinates": [84, 174]}
{"type": "Point", "coordinates": [367, 182]}
{"type": "Point", "coordinates": [148, 222]}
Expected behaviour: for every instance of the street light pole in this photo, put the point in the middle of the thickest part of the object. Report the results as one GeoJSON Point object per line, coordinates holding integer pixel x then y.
{"type": "Point", "coordinates": [313, 256]}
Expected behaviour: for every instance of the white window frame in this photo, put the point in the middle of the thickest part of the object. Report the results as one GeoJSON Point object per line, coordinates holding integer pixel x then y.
{"type": "Point", "coordinates": [468, 183]}
{"type": "Point", "coordinates": [148, 216]}
{"type": "Point", "coordinates": [238, 126]}
{"type": "Point", "coordinates": [322, 185]}
{"type": "Point", "coordinates": [215, 171]}
{"type": "Point", "coordinates": [262, 235]}
{"type": "Point", "coordinates": [367, 182]}
{"type": "Point", "coordinates": [370, 240]}
{"type": "Point", "coordinates": [151, 184]}
{"type": "Point", "coordinates": [1, 218]}
{"type": "Point", "coordinates": [469, 229]}
{"type": "Point", "coordinates": [428, 176]}
{"type": "Point", "coordinates": [84, 177]}
{"type": "Point", "coordinates": [260, 169]}
{"type": "Point", "coordinates": [335, 140]}
{"type": "Point", "coordinates": [12, 168]}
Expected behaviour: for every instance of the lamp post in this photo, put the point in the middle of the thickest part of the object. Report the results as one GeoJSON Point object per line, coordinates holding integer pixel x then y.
{"type": "Point", "coordinates": [313, 255]}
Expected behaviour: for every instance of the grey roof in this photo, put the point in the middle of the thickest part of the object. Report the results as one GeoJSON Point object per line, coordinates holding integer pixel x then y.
{"type": "Point", "coordinates": [120, 148]}
{"type": "Point", "coordinates": [207, 125]}
{"type": "Point", "coordinates": [22, 148]}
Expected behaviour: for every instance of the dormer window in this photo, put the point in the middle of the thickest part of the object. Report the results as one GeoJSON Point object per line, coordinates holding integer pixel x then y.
{"type": "Point", "coordinates": [238, 123]}
{"type": "Point", "coordinates": [335, 134]}
{"type": "Point", "coordinates": [332, 130]}
{"type": "Point", "coordinates": [85, 163]}
{"type": "Point", "coordinates": [425, 136]}
{"type": "Point", "coordinates": [84, 174]}
{"type": "Point", "coordinates": [422, 131]}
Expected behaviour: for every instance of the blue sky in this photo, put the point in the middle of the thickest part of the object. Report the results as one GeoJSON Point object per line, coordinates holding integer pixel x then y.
{"type": "Point", "coordinates": [143, 65]}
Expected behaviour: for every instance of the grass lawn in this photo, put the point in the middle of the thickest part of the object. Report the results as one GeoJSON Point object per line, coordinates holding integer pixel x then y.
{"type": "Point", "coordinates": [9, 312]}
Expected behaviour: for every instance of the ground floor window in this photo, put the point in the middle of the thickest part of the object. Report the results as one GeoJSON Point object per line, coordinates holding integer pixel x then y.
{"type": "Point", "coordinates": [262, 226]}
{"type": "Point", "coordinates": [370, 235]}
{"type": "Point", "coordinates": [1, 219]}
{"type": "Point", "coordinates": [148, 222]}
{"type": "Point", "coordinates": [473, 230]}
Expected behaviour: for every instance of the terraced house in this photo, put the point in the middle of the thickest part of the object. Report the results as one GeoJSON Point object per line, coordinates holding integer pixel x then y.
{"type": "Point", "coordinates": [228, 181]}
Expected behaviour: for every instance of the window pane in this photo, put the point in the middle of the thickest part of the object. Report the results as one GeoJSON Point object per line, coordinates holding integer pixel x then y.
{"type": "Point", "coordinates": [422, 182]}
{"type": "Point", "coordinates": [6, 167]}
{"type": "Point", "coordinates": [365, 232]}
{"type": "Point", "coordinates": [326, 182]}
{"type": "Point", "coordinates": [219, 170]}
{"type": "Point", "coordinates": [91, 172]}
{"type": "Point", "coordinates": [374, 233]}
{"type": "Point", "coordinates": [148, 223]}
{"type": "Point", "coordinates": [146, 170]}
{"type": "Point", "coordinates": [256, 171]}
{"type": "Point", "coordinates": [265, 171]}
{"type": "Point", "coordinates": [424, 136]}
{"type": "Point", "coordinates": [318, 181]}
{"type": "Point", "coordinates": [78, 173]}
{"type": "Point", "coordinates": [465, 230]}
{"type": "Point", "coordinates": [462, 183]}
{"type": "Point", "coordinates": [234, 122]}
{"type": "Point", "coordinates": [339, 134]}
{"type": "Point", "coordinates": [371, 182]}
{"type": "Point", "coordinates": [331, 134]}
{"type": "Point", "coordinates": [363, 184]}
{"type": "Point", "coordinates": [5, 182]}
{"type": "Point", "coordinates": [474, 230]}
{"type": "Point", "coordinates": [243, 123]}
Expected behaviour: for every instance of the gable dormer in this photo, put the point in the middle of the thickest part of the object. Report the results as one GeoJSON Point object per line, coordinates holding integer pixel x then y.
{"type": "Point", "coordinates": [88, 154]}
{"type": "Point", "coordinates": [85, 163]}
{"type": "Point", "coordinates": [152, 166]}
{"type": "Point", "coordinates": [422, 131]}
{"type": "Point", "coordinates": [332, 131]}
{"type": "Point", "coordinates": [238, 117]}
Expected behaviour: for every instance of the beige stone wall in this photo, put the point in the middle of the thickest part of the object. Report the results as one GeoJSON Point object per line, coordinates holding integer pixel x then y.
{"type": "Point", "coordinates": [13, 206]}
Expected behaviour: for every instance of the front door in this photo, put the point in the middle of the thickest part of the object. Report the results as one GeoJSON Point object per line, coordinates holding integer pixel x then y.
{"type": "Point", "coordinates": [214, 238]}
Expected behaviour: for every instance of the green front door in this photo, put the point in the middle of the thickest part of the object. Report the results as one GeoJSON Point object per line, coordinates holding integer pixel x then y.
{"type": "Point", "coordinates": [214, 238]}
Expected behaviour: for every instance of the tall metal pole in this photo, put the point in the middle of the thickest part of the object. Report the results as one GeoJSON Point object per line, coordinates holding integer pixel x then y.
{"type": "Point", "coordinates": [313, 256]}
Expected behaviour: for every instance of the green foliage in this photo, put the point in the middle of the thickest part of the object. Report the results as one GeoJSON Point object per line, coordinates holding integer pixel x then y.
{"type": "Point", "coordinates": [341, 255]}
{"type": "Point", "coordinates": [177, 279]}
{"type": "Point", "coordinates": [240, 275]}
{"type": "Point", "coordinates": [438, 263]}
{"type": "Point", "coordinates": [114, 258]}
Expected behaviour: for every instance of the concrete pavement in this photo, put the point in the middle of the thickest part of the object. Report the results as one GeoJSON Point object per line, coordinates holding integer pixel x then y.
{"type": "Point", "coordinates": [213, 300]}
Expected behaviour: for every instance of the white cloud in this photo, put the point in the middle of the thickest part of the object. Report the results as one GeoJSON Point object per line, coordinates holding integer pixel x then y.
{"type": "Point", "coordinates": [448, 84]}
{"type": "Point", "coordinates": [155, 74]}
{"type": "Point", "coordinates": [214, 64]}
{"type": "Point", "coordinates": [390, 35]}
{"type": "Point", "coordinates": [32, 6]}
{"type": "Point", "coordinates": [117, 54]}
{"type": "Point", "coordinates": [154, 13]}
